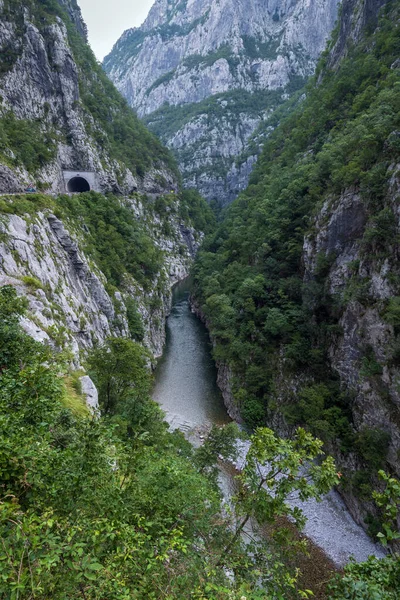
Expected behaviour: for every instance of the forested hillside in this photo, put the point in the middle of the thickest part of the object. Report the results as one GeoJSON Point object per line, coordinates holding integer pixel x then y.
{"type": "Point", "coordinates": [300, 284]}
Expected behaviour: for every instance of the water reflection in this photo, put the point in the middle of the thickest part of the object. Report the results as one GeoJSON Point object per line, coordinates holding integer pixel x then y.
{"type": "Point", "coordinates": [185, 378]}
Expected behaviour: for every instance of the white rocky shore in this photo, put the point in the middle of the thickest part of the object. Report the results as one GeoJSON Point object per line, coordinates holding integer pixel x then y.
{"type": "Point", "coordinates": [329, 525]}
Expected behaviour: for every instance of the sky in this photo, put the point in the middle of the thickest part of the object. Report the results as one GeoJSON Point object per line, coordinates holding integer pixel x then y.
{"type": "Point", "coordinates": [106, 20]}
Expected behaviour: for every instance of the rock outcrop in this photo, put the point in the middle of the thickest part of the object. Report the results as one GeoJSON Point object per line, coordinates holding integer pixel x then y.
{"type": "Point", "coordinates": [69, 306]}
{"type": "Point", "coordinates": [206, 74]}
{"type": "Point", "coordinates": [364, 351]}
{"type": "Point", "coordinates": [58, 110]}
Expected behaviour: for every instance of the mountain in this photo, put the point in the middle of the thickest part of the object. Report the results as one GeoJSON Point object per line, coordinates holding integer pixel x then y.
{"type": "Point", "coordinates": [99, 498]}
{"type": "Point", "coordinates": [90, 266]}
{"type": "Point", "coordinates": [59, 111]}
{"type": "Point", "coordinates": [300, 285]}
{"type": "Point", "coordinates": [204, 75]}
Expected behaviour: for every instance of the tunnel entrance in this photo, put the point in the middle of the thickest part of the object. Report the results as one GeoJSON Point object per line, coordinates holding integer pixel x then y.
{"type": "Point", "coordinates": [78, 185]}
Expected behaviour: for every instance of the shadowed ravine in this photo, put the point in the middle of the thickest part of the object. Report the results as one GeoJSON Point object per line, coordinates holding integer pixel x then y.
{"type": "Point", "coordinates": [186, 389]}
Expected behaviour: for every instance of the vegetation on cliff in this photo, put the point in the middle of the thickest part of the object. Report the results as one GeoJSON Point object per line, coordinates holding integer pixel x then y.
{"type": "Point", "coordinates": [118, 507]}
{"type": "Point", "coordinates": [109, 121]}
{"type": "Point", "coordinates": [277, 329]}
{"type": "Point", "coordinates": [249, 275]}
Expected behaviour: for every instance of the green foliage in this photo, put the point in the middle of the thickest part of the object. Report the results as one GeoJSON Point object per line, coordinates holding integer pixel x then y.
{"type": "Point", "coordinates": [392, 313]}
{"type": "Point", "coordinates": [21, 204]}
{"type": "Point", "coordinates": [117, 507]}
{"type": "Point", "coordinates": [116, 240]}
{"type": "Point", "coordinates": [323, 411]}
{"type": "Point", "coordinates": [388, 501]}
{"type": "Point", "coordinates": [32, 282]}
{"type": "Point", "coordinates": [194, 209]}
{"type": "Point", "coordinates": [32, 145]}
{"type": "Point", "coordinates": [276, 468]}
{"type": "Point", "coordinates": [267, 323]}
{"type": "Point", "coordinates": [373, 446]}
{"type": "Point", "coordinates": [119, 371]}
{"type": "Point", "coordinates": [372, 580]}
{"type": "Point", "coordinates": [86, 510]}
{"type": "Point", "coordinates": [375, 579]}
{"type": "Point", "coordinates": [134, 318]}
{"type": "Point", "coordinates": [113, 237]}
{"type": "Point", "coordinates": [255, 48]}
{"type": "Point", "coordinates": [164, 79]}
{"type": "Point", "coordinates": [12, 340]}
{"type": "Point", "coordinates": [220, 444]}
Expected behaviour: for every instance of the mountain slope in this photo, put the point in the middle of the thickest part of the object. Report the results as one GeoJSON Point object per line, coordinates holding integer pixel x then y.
{"type": "Point", "coordinates": [300, 285]}
{"type": "Point", "coordinates": [205, 74]}
{"type": "Point", "coordinates": [94, 265]}
{"type": "Point", "coordinates": [59, 111]}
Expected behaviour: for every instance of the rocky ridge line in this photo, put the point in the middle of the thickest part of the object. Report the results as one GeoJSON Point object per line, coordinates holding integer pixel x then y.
{"type": "Point", "coordinates": [206, 74]}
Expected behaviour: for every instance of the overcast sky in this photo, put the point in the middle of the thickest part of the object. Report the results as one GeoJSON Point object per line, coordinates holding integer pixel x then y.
{"type": "Point", "coordinates": [107, 19]}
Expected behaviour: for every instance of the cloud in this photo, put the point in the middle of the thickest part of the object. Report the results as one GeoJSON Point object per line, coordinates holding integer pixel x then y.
{"type": "Point", "coordinates": [108, 20]}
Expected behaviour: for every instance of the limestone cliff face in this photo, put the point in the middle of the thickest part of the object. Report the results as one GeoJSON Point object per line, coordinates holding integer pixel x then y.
{"type": "Point", "coordinates": [205, 74]}
{"type": "Point", "coordinates": [364, 351]}
{"type": "Point", "coordinates": [52, 89]}
{"type": "Point", "coordinates": [355, 16]}
{"type": "Point", "coordinates": [70, 308]}
{"type": "Point", "coordinates": [59, 111]}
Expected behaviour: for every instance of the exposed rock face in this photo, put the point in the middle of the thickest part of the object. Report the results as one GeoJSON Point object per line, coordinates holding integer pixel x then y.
{"type": "Point", "coordinates": [355, 16]}
{"type": "Point", "coordinates": [90, 393]}
{"type": "Point", "coordinates": [69, 306]}
{"type": "Point", "coordinates": [41, 83]}
{"type": "Point", "coordinates": [205, 74]}
{"type": "Point", "coordinates": [363, 353]}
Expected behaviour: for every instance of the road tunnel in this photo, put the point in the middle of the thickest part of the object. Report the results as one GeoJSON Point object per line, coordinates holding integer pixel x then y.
{"type": "Point", "coordinates": [77, 185]}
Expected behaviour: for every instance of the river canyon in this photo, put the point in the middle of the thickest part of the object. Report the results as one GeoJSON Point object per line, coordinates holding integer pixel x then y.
{"type": "Point", "coordinates": [186, 389]}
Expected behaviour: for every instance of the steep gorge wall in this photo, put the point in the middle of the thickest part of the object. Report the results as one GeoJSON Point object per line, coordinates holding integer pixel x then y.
{"type": "Point", "coordinates": [300, 286]}
{"type": "Point", "coordinates": [58, 110]}
{"type": "Point", "coordinates": [204, 75]}
{"type": "Point", "coordinates": [71, 305]}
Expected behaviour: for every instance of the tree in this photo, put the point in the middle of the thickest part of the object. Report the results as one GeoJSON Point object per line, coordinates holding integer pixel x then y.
{"type": "Point", "coordinates": [376, 579]}
{"type": "Point", "coordinates": [277, 469]}
{"type": "Point", "coordinates": [119, 372]}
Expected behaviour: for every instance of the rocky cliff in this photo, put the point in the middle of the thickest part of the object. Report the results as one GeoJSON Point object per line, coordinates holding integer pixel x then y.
{"type": "Point", "coordinates": [58, 110]}
{"type": "Point", "coordinates": [206, 74]}
{"type": "Point", "coordinates": [72, 305]}
{"type": "Point", "coordinates": [90, 266]}
{"type": "Point", "coordinates": [300, 285]}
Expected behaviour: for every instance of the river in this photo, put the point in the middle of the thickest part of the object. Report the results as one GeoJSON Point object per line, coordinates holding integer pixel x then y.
{"type": "Point", "coordinates": [186, 388]}
{"type": "Point", "coordinates": [185, 382]}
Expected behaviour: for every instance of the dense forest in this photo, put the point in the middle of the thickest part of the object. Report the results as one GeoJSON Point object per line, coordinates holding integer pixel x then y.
{"type": "Point", "coordinates": [271, 318]}
{"type": "Point", "coordinates": [110, 504]}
